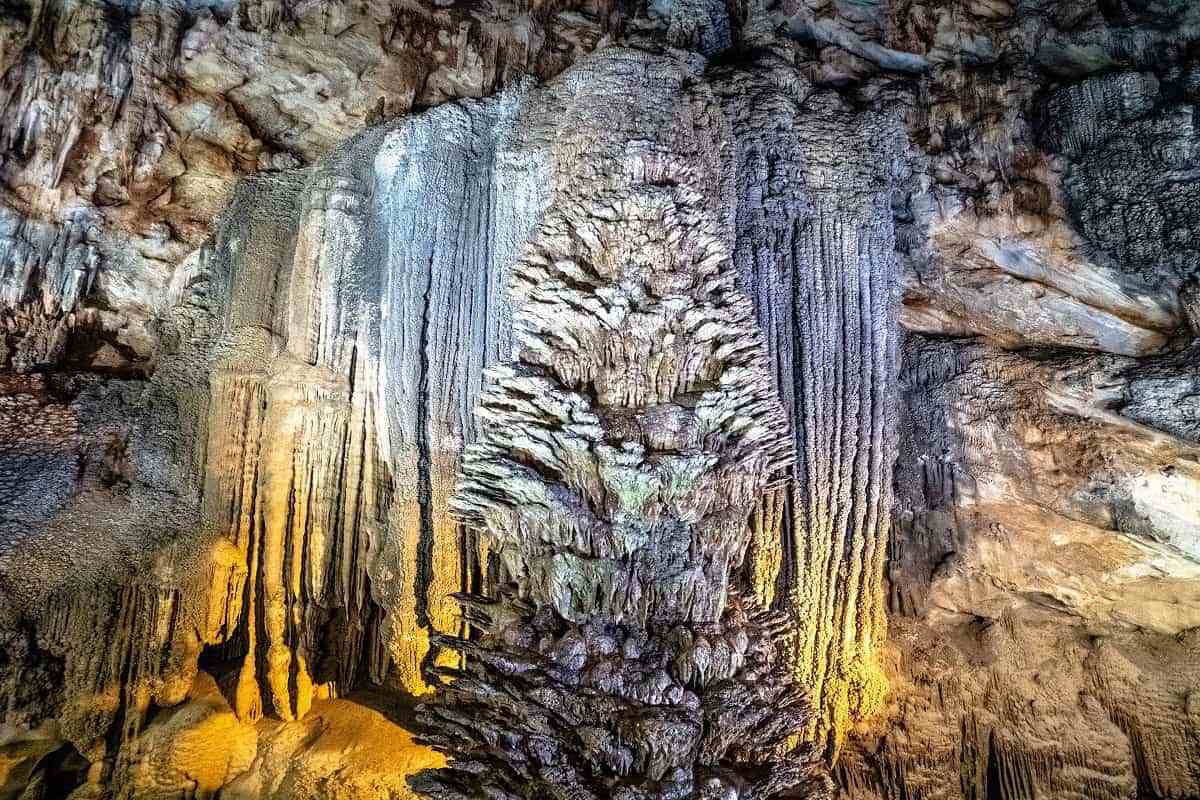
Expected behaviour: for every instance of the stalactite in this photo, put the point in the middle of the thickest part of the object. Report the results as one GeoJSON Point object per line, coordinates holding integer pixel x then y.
{"type": "Point", "coordinates": [619, 457]}
{"type": "Point", "coordinates": [455, 199]}
{"type": "Point", "coordinates": [815, 247]}
{"type": "Point", "coordinates": [293, 465]}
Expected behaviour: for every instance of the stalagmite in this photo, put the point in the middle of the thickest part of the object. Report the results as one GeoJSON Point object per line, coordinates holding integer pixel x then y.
{"type": "Point", "coordinates": [620, 455]}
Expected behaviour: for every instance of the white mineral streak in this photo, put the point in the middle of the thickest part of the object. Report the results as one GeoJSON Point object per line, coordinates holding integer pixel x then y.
{"type": "Point", "coordinates": [454, 201]}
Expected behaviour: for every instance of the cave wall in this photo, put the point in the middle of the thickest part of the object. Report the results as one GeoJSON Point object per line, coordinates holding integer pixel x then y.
{"type": "Point", "coordinates": [253, 260]}
{"type": "Point", "coordinates": [1041, 566]}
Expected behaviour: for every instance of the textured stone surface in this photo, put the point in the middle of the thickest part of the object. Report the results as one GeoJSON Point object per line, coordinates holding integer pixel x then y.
{"type": "Point", "coordinates": [253, 259]}
{"type": "Point", "coordinates": [620, 452]}
{"type": "Point", "coordinates": [1108, 532]}
{"type": "Point", "coordinates": [1025, 706]}
{"type": "Point", "coordinates": [125, 126]}
{"type": "Point", "coordinates": [815, 239]}
{"type": "Point", "coordinates": [1042, 563]}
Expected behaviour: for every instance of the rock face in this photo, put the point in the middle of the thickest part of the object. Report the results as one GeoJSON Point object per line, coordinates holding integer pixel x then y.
{"type": "Point", "coordinates": [259, 259]}
{"type": "Point", "coordinates": [1042, 565]}
{"type": "Point", "coordinates": [124, 128]}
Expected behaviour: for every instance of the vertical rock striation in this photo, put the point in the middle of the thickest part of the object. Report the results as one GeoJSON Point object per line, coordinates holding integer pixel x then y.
{"type": "Point", "coordinates": [620, 454]}
{"type": "Point", "coordinates": [342, 303]}
{"type": "Point", "coordinates": [816, 247]}
{"type": "Point", "coordinates": [292, 468]}
{"type": "Point", "coordinates": [455, 198]}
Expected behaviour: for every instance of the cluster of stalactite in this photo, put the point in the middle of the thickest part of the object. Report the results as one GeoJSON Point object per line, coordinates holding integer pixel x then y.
{"type": "Point", "coordinates": [619, 457]}
{"type": "Point", "coordinates": [549, 708]}
{"type": "Point", "coordinates": [292, 476]}
{"type": "Point", "coordinates": [345, 315]}
{"type": "Point", "coordinates": [817, 179]}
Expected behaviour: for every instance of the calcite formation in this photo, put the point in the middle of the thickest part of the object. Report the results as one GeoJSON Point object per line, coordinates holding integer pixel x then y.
{"type": "Point", "coordinates": [816, 239]}
{"type": "Point", "coordinates": [619, 456]}
{"type": "Point", "coordinates": [258, 256]}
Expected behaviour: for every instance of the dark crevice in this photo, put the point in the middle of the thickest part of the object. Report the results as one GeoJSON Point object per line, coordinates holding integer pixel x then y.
{"type": "Point", "coordinates": [425, 542]}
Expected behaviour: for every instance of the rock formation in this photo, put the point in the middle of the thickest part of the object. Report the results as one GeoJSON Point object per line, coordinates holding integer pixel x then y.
{"type": "Point", "coordinates": [816, 240]}
{"type": "Point", "coordinates": [619, 457]}
{"type": "Point", "coordinates": [258, 256]}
